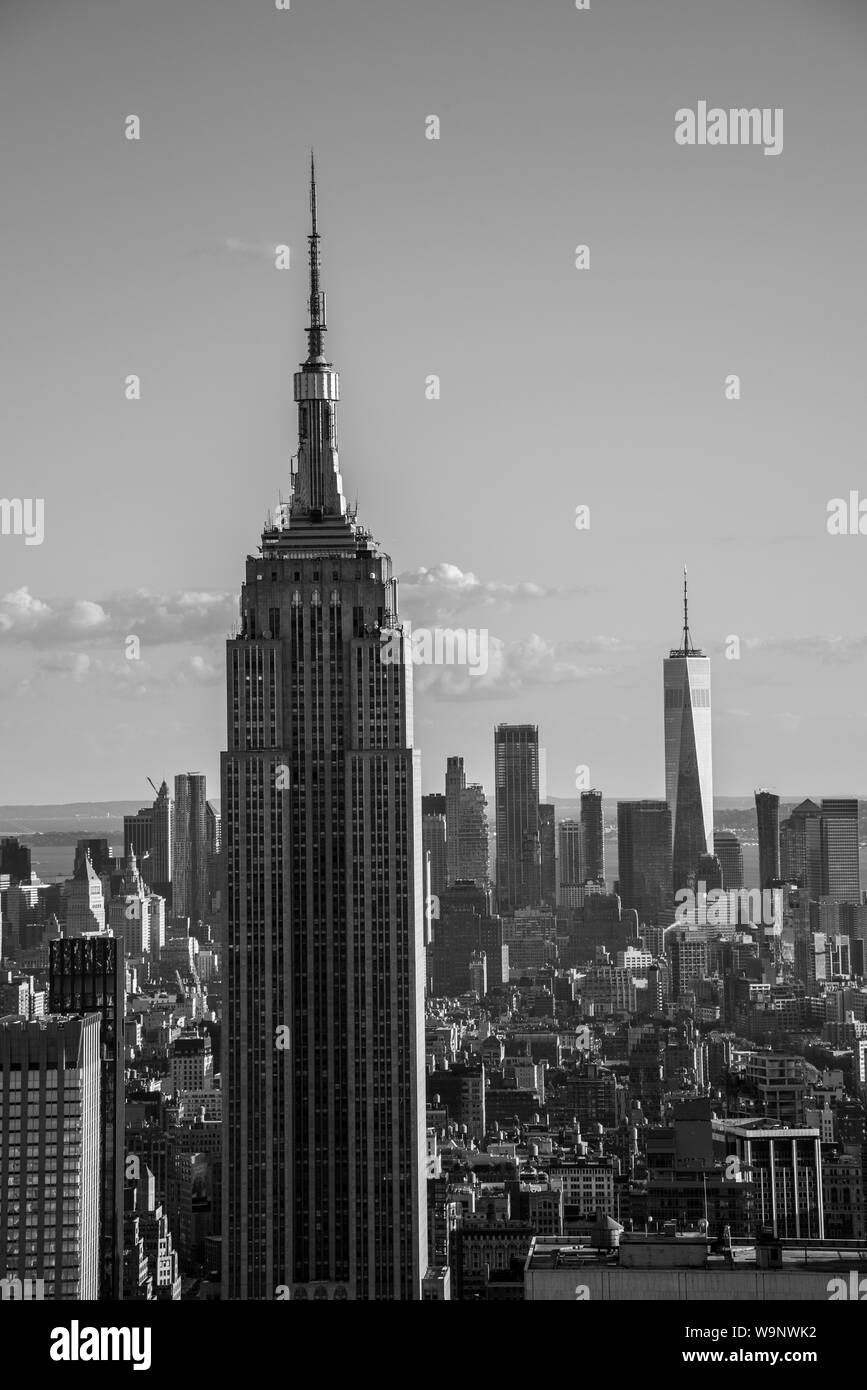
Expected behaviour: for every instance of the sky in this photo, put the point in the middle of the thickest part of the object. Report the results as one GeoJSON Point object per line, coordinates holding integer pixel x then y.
{"type": "Point", "coordinates": [560, 387]}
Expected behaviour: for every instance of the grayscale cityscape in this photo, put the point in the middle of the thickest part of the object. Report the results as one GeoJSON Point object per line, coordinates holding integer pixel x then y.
{"type": "Point", "coordinates": [487, 957]}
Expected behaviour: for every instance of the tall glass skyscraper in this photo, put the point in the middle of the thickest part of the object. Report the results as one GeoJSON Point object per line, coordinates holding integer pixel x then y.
{"type": "Point", "coordinates": [841, 871]}
{"type": "Point", "coordinates": [688, 768]}
{"type": "Point", "coordinates": [519, 850]}
{"type": "Point", "coordinates": [644, 858]}
{"type": "Point", "coordinates": [190, 849]}
{"type": "Point", "coordinates": [768, 820]}
{"type": "Point", "coordinates": [593, 832]}
{"type": "Point", "coordinates": [323, 1066]}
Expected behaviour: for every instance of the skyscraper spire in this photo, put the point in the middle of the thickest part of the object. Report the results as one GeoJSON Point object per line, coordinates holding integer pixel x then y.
{"type": "Point", "coordinates": [686, 648]}
{"type": "Point", "coordinates": [686, 639]}
{"type": "Point", "coordinates": [317, 492]}
{"type": "Point", "coordinates": [317, 325]}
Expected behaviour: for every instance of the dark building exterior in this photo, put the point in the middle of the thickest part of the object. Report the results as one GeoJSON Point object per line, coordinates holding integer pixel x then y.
{"type": "Point", "coordinates": [547, 846]}
{"type": "Point", "coordinates": [138, 835]}
{"type": "Point", "coordinates": [86, 975]}
{"type": "Point", "coordinates": [100, 856]}
{"type": "Point", "coordinates": [50, 1155]}
{"type": "Point", "coordinates": [433, 834]}
{"type": "Point", "coordinates": [190, 849]}
{"type": "Point", "coordinates": [466, 926]}
{"type": "Point", "coordinates": [768, 818]}
{"type": "Point", "coordinates": [727, 848]}
{"type": "Point", "coordinates": [644, 857]}
{"type": "Point", "coordinates": [516, 769]}
{"type": "Point", "coordinates": [841, 872]}
{"type": "Point", "coordinates": [455, 783]}
{"type": "Point", "coordinates": [801, 848]}
{"type": "Point", "coordinates": [324, 1139]}
{"type": "Point", "coordinates": [15, 859]}
{"type": "Point", "coordinates": [593, 835]}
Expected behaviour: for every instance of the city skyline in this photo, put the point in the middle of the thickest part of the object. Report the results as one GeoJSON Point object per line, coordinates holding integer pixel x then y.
{"type": "Point", "coordinates": [500, 965]}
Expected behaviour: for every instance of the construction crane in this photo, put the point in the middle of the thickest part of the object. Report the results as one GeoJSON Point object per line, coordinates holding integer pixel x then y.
{"type": "Point", "coordinates": [152, 784]}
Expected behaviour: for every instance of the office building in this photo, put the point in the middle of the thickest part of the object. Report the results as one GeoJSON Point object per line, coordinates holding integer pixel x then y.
{"type": "Point", "coordinates": [768, 819]}
{"type": "Point", "coordinates": [727, 849]}
{"type": "Point", "coordinates": [519, 861]}
{"type": "Point", "coordinates": [548, 851]}
{"type": "Point", "coordinates": [688, 763]}
{"type": "Point", "coordinates": [570, 863]}
{"type": "Point", "coordinates": [841, 873]}
{"type": "Point", "coordinates": [190, 849]}
{"type": "Point", "coordinates": [86, 977]}
{"type": "Point", "coordinates": [157, 871]}
{"type": "Point", "coordinates": [50, 1139]}
{"type": "Point", "coordinates": [322, 1074]}
{"type": "Point", "coordinates": [466, 827]}
{"type": "Point", "coordinates": [801, 848]}
{"type": "Point", "coordinates": [455, 783]}
{"type": "Point", "coordinates": [785, 1167]}
{"type": "Point", "coordinates": [84, 900]}
{"type": "Point", "coordinates": [433, 837]}
{"type": "Point", "coordinates": [644, 857]}
{"type": "Point", "coordinates": [593, 832]}
{"type": "Point", "coordinates": [473, 863]}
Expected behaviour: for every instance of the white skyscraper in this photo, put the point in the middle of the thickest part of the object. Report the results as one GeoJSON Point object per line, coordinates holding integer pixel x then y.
{"type": "Point", "coordinates": [688, 762]}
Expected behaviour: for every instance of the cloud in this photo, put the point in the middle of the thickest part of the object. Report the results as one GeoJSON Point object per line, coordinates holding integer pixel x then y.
{"type": "Point", "coordinates": [76, 665]}
{"type": "Point", "coordinates": [514, 667]}
{"type": "Point", "coordinates": [156, 619]}
{"type": "Point", "coordinates": [446, 589]}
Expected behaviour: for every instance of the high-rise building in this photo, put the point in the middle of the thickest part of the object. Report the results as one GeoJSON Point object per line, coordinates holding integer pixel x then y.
{"type": "Point", "coordinates": [138, 834]}
{"type": "Point", "coordinates": [158, 867]}
{"type": "Point", "coordinates": [190, 848]}
{"type": "Point", "coordinates": [433, 839]}
{"type": "Point", "coordinates": [801, 848]}
{"type": "Point", "coordinates": [768, 818]}
{"type": "Point", "coordinates": [841, 872]}
{"type": "Point", "coordinates": [98, 851]}
{"type": "Point", "coordinates": [15, 859]}
{"type": "Point", "coordinates": [473, 864]}
{"type": "Point", "coordinates": [466, 926]}
{"type": "Point", "coordinates": [323, 1065]}
{"type": "Point", "coordinates": [547, 847]}
{"type": "Point", "coordinates": [50, 1154]}
{"type": "Point", "coordinates": [466, 827]}
{"type": "Point", "coordinates": [593, 832]}
{"type": "Point", "coordinates": [688, 765]}
{"type": "Point", "coordinates": [516, 769]}
{"type": "Point", "coordinates": [644, 857]}
{"type": "Point", "coordinates": [86, 977]}
{"type": "Point", "coordinates": [727, 848]}
{"type": "Point", "coordinates": [570, 872]}
{"type": "Point", "coordinates": [455, 783]}
{"type": "Point", "coordinates": [83, 894]}
{"type": "Point", "coordinates": [136, 915]}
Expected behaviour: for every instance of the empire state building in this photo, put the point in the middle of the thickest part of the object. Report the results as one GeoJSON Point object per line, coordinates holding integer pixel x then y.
{"type": "Point", "coordinates": [323, 1052]}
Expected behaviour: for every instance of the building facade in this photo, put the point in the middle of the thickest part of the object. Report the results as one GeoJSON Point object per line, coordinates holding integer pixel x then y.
{"type": "Point", "coordinates": [688, 763]}
{"type": "Point", "coordinates": [322, 1076]}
